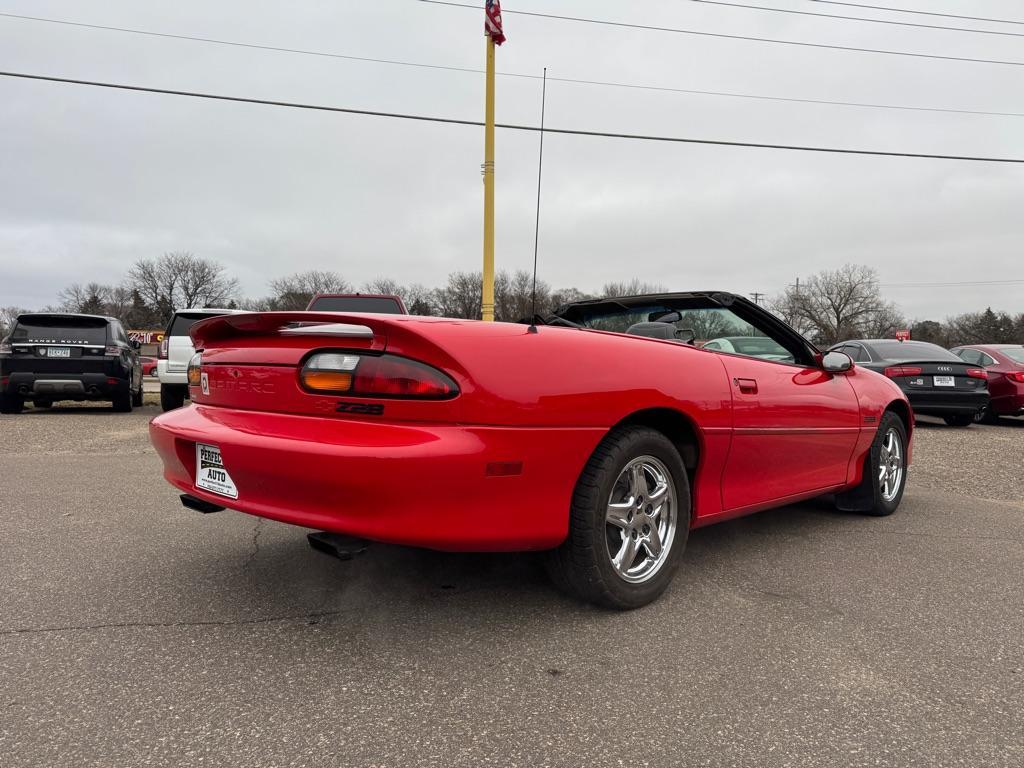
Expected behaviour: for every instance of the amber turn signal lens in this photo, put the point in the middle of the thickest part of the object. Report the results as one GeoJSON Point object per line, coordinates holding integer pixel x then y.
{"type": "Point", "coordinates": [195, 370]}
{"type": "Point", "coordinates": [327, 381]}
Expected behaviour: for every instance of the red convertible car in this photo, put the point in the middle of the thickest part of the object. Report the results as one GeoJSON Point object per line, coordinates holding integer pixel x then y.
{"type": "Point", "coordinates": [602, 433]}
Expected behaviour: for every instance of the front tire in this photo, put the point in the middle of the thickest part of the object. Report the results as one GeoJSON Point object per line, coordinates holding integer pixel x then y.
{"type": "Point", "coordinates": [628, 522]}
{"type": "Point", "coordinates": [11, 403]}
{"type": "Point", "coordinates": [885, 472]}
{"type": "Point", "coordinates": [171, 397]}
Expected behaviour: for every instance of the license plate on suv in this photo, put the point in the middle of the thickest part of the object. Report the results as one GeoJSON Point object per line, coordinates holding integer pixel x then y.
{"type": "Point", "coordinates": [58, 352]}
{"type": "Point", "coordinates": [944, 381]}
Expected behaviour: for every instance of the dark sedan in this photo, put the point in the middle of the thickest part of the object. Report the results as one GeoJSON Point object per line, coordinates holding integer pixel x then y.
{"type": "Point", "coordinates": [1004, 365]}
{"type": "Point", "coordinates": [936, 382]}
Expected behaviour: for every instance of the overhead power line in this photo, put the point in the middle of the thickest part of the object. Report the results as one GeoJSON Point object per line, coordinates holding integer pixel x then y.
{"type": "Point", "coordinates": [725, 36]}
{"type": "Point", "coordinates": [507, 126]}
{"type": "Point", "coordinates": [471, 70]}
{"type": "Point", "coordinates": [918, 13]}
{"type": "Point", "coordinates": [868, 19]}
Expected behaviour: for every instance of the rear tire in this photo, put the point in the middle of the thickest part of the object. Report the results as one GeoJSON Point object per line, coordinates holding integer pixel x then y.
{"type": "Point", "coordinates": [987, 416]}
{"type": "Point", "coordinates": [11, 403]}
{"type": "Point", "coordinates": [123, 403]}
{"type": "Point", "coordinates": [42, 404]}
{"type": "Point", "coordinates": [628, 522]}
{"type": "Point", "coordinates": [959, 421]}
{"type": "Point", "coordinates": [171, 396]}
{"type": "Point", "coordinates": [137, 397]}
{"type": "Point", "coordinates": [885, 472]}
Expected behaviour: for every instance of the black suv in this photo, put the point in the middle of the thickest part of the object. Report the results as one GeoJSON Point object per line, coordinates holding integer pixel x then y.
{"type": "Point", "coordinates": [55, 356]}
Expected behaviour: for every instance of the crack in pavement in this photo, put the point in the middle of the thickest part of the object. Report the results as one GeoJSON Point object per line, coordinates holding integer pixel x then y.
{"type": "Point", "coordinates": [256, 530]}
{"type": "Point", "coordinates": [170, 624]}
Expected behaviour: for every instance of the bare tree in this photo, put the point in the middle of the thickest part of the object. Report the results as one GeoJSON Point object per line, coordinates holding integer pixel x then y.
{"type": "Point", "coordinates": [294, 291]}
{"type": "Point", "coordinates": [513, 296]}
{"type": "Point", "coordinates": [461, 297]}
{"type": "Point", "coordinates": [419, 300]}
{"type": "Point", "coordinates": [634, 287]}
{"type": "Point", "coordinates": [8, 315]}
{"type": "Point", "coordinates": [385, 286]}
{"type": "Point", "coordinates": [835, 305]}
{"type": "Point", "coordinates": [201, 282]}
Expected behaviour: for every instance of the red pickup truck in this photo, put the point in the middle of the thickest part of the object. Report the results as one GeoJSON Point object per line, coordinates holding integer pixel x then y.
{"type": "Point", "coordinates": [386, 304]}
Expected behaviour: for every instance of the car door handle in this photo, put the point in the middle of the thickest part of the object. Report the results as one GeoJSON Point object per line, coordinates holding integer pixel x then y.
{"type": "Point", "coordinates": [747, 386]}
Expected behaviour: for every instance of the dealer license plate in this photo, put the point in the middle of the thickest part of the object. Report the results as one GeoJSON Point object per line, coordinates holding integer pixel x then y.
{"type": "Point", "coordinates": [211, 474]}
{"type": "Point", "coordinates": [58, 352]}
{"type": "Point", "coordinates": [944, 381]}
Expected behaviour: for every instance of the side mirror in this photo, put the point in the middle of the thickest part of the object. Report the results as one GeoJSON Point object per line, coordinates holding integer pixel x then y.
{"type": "Point", "coordinates": [136, 344]}
{"type": "Point", "coordinates": [836, 362]}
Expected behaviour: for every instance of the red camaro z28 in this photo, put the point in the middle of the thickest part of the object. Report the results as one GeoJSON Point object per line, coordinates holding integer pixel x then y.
{"type": "Point", "coordinates": [602, 433]}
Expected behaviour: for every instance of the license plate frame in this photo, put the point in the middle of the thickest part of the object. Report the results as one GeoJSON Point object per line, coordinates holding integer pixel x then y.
{"type": "Point", "coordinates": [211, 474]}
{"type": "Point", "coordinates": [944, 381]}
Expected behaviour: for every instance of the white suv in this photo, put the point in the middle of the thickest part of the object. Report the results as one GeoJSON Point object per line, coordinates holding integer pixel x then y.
{"type": "Point", "coordinates": [176, 350]}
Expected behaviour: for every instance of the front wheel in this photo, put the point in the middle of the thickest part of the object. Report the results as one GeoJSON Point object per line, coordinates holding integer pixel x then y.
{"type": "Point", "coordinates": [628, 522]}
{"type": "Point", "coordinates": [959, 421]}
{"type": "Point", "coordinates": [885, 472]}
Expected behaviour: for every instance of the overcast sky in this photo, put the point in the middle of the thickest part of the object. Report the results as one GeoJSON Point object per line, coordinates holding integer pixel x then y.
{"type": "Point", "coordinates": [92, 179]}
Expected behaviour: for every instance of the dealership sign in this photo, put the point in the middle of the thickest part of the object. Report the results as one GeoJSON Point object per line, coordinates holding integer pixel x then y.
{"type": "Point", "coordinates": [146, 337]}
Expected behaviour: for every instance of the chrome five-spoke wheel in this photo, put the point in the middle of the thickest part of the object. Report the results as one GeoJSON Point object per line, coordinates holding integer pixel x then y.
{"type": "Point", "coordinates": [641, 519]}
{"type": "Point", "coordinates": [890, 465]}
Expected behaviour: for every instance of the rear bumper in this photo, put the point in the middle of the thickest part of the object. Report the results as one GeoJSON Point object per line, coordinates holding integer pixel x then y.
{"type": "Point", "coordinates": [1009, 405]}
{"type": "Point", "coordinates": [66, 386]}
{"type": "Point", "coordinates": [426, 485]}
{"type": "Point", "coordinates": [947, 403]}
{"type": "Point", "coordinates": [169, 376]}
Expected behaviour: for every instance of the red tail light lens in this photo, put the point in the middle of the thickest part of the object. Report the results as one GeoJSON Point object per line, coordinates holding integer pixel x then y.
{"type": "Point", "coordinates": [112, 350]}
{"type": "Point", "coordinates": [161, 352]}
{"type": "Point", "coordinates": [387, 376]}
{"type": "Point", "coordinates": [902, 370]}
{"type": "Point", "coordinates": [977, 373]}
{"type": "Point", "coordinates": [1017, 376]}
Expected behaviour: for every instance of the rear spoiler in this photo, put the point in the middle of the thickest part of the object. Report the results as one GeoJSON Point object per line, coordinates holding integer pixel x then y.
{"type": "Point", "coordinates": [292, 324]}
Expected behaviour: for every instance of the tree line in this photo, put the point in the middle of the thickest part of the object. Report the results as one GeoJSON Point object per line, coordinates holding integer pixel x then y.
{"type": "Point", "coordinates": [827, 307]}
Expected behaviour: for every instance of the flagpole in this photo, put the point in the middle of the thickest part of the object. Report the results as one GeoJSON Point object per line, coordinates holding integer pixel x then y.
{"type": "Point", "coordinates": [487, 308]}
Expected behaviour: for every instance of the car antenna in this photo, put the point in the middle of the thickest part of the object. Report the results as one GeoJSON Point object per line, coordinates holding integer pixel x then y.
{"type": "Point", "coordinates": [536, 226]}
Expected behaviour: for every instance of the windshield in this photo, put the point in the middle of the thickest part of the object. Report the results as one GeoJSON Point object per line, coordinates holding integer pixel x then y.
{"type": "Point", "coordinates": [912, 351]}
{"type": "Point", "coordinates": [1016, 354]}
{"type": "Point", "coordinates": [60, 330]}
{"type": "Point", "coordinates": [380, 304]}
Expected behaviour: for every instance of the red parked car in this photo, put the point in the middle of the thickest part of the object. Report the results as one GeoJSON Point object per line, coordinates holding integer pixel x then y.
{"type": "Point", "coordinates": [1004, 364]}
{"type": "Point", "coordinates": [603, 435]}
{"type": "Point", "coordinates": [148, 366]}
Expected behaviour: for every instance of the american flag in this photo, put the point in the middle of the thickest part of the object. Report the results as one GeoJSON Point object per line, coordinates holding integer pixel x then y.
{"type": "Point", "coordinates": [492, 22]}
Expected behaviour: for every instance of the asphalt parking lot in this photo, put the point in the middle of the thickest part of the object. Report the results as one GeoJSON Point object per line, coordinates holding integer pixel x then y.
{"type": "Point", "coordinates": [134, 632]}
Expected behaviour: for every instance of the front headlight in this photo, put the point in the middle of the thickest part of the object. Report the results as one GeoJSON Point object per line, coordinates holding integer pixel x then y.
{"type": "Point", "coordinates": [194, 365]}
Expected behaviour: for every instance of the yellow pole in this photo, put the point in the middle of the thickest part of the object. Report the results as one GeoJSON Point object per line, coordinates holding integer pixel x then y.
{"type": "Point", "coordinates": [487, 309]}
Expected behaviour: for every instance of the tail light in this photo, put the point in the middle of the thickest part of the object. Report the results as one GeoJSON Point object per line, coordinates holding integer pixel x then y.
{"type": "Point", "coordinates": [5, 348]}
{"type": "Point", "coordinates": [977, 373]}
{"type": "Point", "coordinates": [902, 370]}
{"type": "Point", "coordinates": [1017, 376]}
{"type": "Point", "coordinates": [334, 373]}
{"type": "Point", "coordinates": [161, 352]}
{"type": "Point", "coordinates": [112, 350]}
{"type": "Point", "coordinates": [194, 372]}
